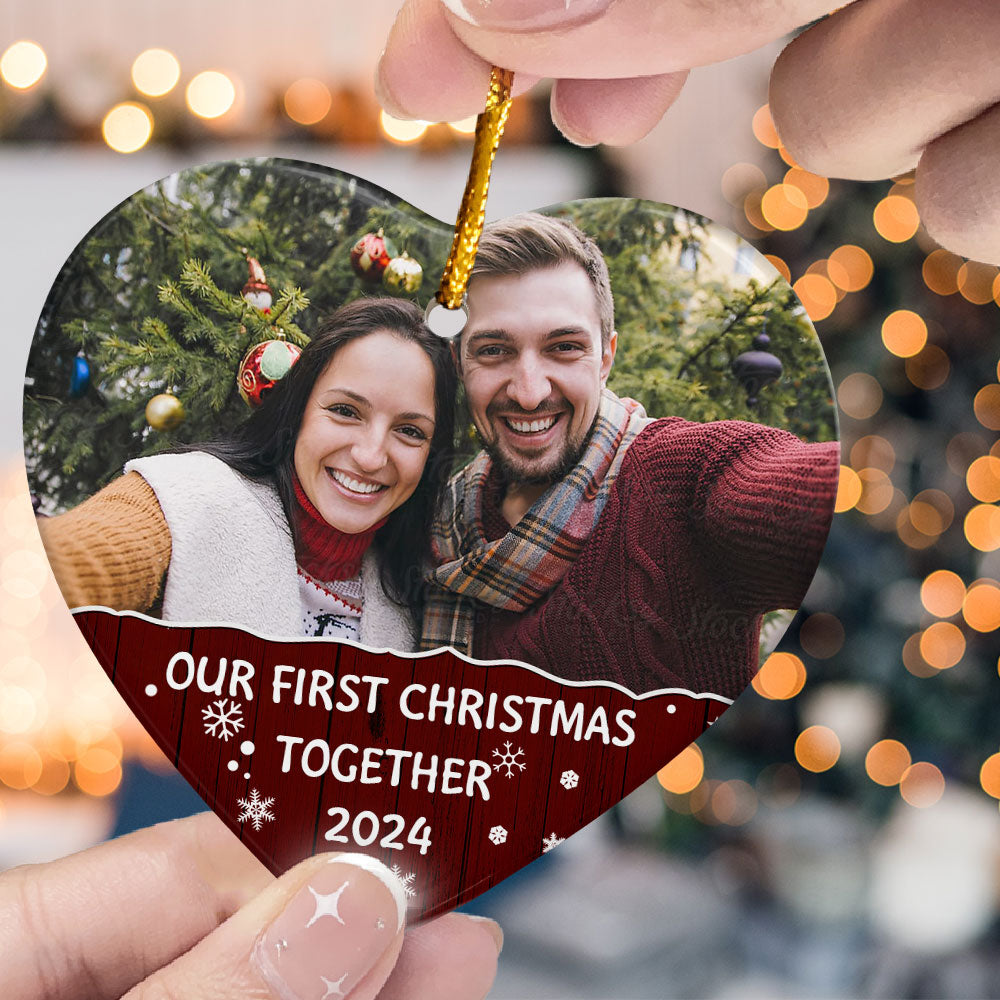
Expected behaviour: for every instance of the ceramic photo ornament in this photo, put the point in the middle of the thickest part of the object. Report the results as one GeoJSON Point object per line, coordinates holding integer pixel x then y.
{"type": "Point", "coordinates": [443, 602]}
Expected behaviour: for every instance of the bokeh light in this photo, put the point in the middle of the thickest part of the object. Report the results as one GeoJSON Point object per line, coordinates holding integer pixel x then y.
{"type": "Point", "coordinates": [20, 764]}
{"type": "Point", "coordinates": [307, 101]}
{"type": "Point", "coordinates": [127, 127]}
{"type": "Point", "coordinates": [896, 218]}
{"type": "Point", "coordinates": [940, 271]}
{"type": "Point", "coordinates": [886, 762]}
{"type": "Point", "coordinates": [210, 94]}
{"type": "Point", "coordinates": [989, 775]}
{"type": "Point", "coordinates": [734, 802]}
{"type": "Point", "coordinates": [818, 296]}
{"type": "Point", "coordinates": [922, 785]}
{"type": "Point", "coordinates": [983, 478]}
{"type": "Point", "coordinates": [904, 333]}
{"type": "Point", "coordinates": [982, 527]}
{"type": "Point", "coordinates": [781, 676]}
{"type": "Point", "coordinates": [877, 491]}
{"type": "Point", "coordinates": [942, 593]}
{"type": "Point", "coordinates": [784, 207]}
{"type": "Point", "coordinates": [779, 265]}
{"type": "Point", "coordinates": [914, 660]}
{"type": "Point", "coordinates": [464, 126]}
{"type": "Point", "coordinates": [848, 490]}
{"type": "Point", "coordinates": [817, 748]}
{"type": "Point", "coordinates": [741, 178]}
{"type": "Point", "coordinates": [981, 608]}
{"type": "Point", "coordinates": [975, 282]}
{"type": "Point", "coordinates": [987, 406]}
{"type": "Point", "coordinates": [873, 451]}
{"type": "Point", "coordinates": [23, 64]}
{"type": "Point", "coordinates": [155, 72]}
{"type": "Point", "coordinates": [821, 635]}
{"type": "Point", "coordinates": [942, 645]}
{"type": "Point", "coordinates": [850, 267]}
{"type": "Point", "coordinates": [684, 772]}
{"type": "Point", "coordinates": [401, 131]}
{"type": "Point", "coordinates": [813, 187]}
{"type": "Point", "coordinates": [859, 395]}
{"type": "Point", "coordinates": [97, 771]}
{"type": "Point", "coordinates": [929, 369]}
{"type": "Point", "coordinates": [763, 128]}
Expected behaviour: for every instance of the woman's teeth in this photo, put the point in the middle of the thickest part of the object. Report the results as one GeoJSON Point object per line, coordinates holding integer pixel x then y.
{"type": "Point", "coordinates": [354, 485]}
{"type": "Point", "coordinates": [531, 426]}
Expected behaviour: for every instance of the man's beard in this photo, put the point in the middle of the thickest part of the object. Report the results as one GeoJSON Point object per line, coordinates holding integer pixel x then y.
{"type": "Point", "coordinates": [523, 472]}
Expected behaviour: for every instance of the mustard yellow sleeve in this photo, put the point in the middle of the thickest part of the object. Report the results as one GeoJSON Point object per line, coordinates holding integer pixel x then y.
{"type": "Point", "coordinates": [112, 550]}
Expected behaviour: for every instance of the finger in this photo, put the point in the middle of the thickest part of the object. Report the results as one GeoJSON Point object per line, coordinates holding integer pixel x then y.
{"type": "Point", "coordinates": [861, 94]}
{"type": "Point", "coordinates": [426, 72]}
{"type": "Point", "coordinates": [958, 188]}
{"type": "Point", "coordinates": [95, 923]}
{"type": "Point", "coordinates": [590, 111]}
{"type": "Point", "coordinates": [624, 38]}
{"type": "Point", "coordinates": [453, 957]}
{"type": "Point", "coordinates": [331, 927]}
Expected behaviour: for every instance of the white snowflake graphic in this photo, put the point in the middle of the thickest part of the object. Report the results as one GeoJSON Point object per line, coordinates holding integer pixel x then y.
{"type": "Point", "coordinates": [498, 835]}
{"type": "Point", "coordinates": [508, 759]}
{"type": "Point", "coordinates": [551, 842]}
{"type": "Point", "coordinates": [405, 880]}
{"type": "Point", "coordinates": [256, 809]}
{"type": "Point", "coordinates": [569, 779]}
{"type": "Point", "coordinates": [222, 719]}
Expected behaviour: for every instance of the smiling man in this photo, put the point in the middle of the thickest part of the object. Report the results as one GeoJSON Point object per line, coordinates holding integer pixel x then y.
{"type": "Point", "coordinates": [586, 538]}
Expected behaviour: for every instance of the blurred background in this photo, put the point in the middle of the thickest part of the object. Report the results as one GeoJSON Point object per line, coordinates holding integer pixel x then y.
{"type": "Point", "coordinates": [836, 833]}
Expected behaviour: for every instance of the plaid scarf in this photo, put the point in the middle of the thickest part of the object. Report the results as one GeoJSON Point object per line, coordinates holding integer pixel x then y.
{"type": "Point", "coordinates": [520, 568]}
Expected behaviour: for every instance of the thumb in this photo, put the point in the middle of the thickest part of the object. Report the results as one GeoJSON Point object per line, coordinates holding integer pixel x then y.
{"type": "Point", "coordinates": [331, 927]}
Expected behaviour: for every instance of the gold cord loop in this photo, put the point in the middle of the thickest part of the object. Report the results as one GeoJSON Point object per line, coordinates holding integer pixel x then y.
{"type": "Point", "coordinates": [472, 213]}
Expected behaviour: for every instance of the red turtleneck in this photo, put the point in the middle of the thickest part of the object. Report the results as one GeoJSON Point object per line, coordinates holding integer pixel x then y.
{"type": "Point", "coordinates": [323, 551]}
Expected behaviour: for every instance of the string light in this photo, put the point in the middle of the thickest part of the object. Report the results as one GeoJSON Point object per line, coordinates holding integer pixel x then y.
{"type": "Point", "coordinates": [877, 491]}
{"type": "Point", "coordinates": [210, 94]}
{"type": "Point", "coordinates": [23, 64]}
{"type": "Point", "coordinates": [814, 188]}
{"type": "Point", "coordinates": [155, 72]}
{"type": "Point", "coordinates": [781, 676]}
{"type": "Point", "coordinates": [989, 776]}
{"type": "Point", "coordinates": [779, 265]}
{"type": "Point", "coordinates": [127, 127]}
{"type": "Point", "coordinates": [817, 295]}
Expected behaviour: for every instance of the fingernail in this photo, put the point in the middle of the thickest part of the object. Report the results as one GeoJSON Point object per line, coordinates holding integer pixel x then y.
{"type": "Point", "coordinates": [492, 928]}
{"type": "Point", "coordinates": [384, 95]}
{"type": "Point", "coordinates": [332, 931]}
{"type": "Point", "coordinates": [527, 15]}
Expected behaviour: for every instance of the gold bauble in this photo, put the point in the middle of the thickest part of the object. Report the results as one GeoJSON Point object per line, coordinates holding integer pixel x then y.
{"type": "Point", "coordinates": [164, 412]}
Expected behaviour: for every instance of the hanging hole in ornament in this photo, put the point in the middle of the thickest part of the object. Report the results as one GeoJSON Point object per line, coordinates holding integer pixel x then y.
{"type": "Point", "coordinates": [444, 322]}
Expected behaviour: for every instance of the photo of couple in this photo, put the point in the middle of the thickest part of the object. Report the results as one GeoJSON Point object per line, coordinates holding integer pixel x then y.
{"type": "Point", "coordinates": [585, 537]}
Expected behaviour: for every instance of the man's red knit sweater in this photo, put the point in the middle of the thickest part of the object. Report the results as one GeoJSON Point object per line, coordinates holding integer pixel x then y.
{"type": "Point", "coordinates": [707, 527]}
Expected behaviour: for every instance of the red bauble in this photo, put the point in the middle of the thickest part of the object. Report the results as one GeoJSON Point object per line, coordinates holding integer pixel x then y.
{"type": "Point", "coordinates": [262, 367]}
{"type": "Point", "coordinates": [371, 255]}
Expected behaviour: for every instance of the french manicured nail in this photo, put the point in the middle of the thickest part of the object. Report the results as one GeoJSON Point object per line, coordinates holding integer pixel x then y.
{"type": "Point", "coordinates": [332, 931]}
{"type": "Point", "coordinates": [527, 15]}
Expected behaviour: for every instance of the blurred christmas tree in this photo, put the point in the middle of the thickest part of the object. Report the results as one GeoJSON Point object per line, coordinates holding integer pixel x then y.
{"type": "Point", "coordinates": [152, 299]}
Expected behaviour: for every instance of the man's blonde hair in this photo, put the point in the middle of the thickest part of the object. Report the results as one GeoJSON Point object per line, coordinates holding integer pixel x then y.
{"type": "Point", "coordinates": [531, 242]}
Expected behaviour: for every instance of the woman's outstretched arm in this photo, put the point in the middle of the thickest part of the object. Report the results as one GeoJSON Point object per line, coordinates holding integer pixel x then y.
{"type": "Point", "coordinates": [112, 550]}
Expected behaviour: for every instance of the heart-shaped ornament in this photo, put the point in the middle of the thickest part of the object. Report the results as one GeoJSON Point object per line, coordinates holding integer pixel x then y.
{"type": "Point", "coordinates": [336, 645]}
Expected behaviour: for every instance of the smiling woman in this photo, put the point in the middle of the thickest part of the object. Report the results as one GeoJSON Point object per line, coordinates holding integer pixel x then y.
{"type": "Point", "coordinates": [331, 484]}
